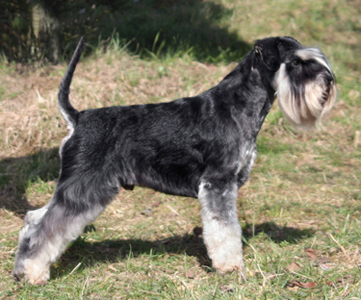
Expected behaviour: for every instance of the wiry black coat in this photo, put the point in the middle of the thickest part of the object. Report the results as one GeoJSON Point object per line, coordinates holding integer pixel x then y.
{"type": "Point", "coordinates": [170, 147]}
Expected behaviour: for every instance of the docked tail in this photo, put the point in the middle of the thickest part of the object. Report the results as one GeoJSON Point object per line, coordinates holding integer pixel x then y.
{"type": "Point", "coordinates": [69, 113]}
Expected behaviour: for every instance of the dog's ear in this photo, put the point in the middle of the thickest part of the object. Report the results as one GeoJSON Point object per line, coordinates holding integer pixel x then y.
{"type": "Point", "coordinates": [267, 53]}
{"type": "Point", "coordinates": [285, 44]}
{"type": "Point", "coordinates": [281, 49]}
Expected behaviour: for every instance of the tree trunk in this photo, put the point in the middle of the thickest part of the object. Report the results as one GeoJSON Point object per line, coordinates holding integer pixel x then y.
{"type": "Point", "coordinates": [44, 33]}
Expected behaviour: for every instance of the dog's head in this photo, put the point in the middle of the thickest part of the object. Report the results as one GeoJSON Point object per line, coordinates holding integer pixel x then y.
{"type": "Point", "coordinates": [301, 77]}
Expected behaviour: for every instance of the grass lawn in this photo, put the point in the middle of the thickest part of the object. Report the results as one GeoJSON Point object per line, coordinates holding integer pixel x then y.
{"type": "Point", "coordinates": [300, 211]}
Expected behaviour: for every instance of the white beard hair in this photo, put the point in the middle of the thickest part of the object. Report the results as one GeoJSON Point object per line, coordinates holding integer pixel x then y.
{"type": "Point", "coordinates": [303, 111]}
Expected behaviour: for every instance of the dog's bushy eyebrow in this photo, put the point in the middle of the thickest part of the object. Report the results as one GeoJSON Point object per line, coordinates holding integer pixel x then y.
{"type": "Point", "coordinates": [315, 55]}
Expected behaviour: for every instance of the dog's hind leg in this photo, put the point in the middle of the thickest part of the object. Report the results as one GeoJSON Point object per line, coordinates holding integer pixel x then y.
{"type": "Point", "coordinates": [222, 232]}
{"type": "Point", "coordinates": [48, 231]}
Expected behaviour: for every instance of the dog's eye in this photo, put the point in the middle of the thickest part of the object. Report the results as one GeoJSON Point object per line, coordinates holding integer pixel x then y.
{"type": "Point", "coordinates": [296, 62]}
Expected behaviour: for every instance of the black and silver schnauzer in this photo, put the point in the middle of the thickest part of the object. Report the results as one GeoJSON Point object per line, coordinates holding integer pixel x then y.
{"type": "Point", "coordinates": [202, 147]}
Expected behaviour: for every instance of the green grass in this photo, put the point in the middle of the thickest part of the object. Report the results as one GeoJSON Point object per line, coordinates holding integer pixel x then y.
{"type": "Point", "coordinates": [304, 191]}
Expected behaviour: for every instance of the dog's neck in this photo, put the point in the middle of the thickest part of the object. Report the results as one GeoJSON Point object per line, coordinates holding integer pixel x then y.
{"type": "Point", "coordinates": [249, 94]}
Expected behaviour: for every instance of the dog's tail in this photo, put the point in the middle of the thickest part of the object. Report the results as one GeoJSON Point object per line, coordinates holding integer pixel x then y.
{"type": "Point", "coordinates": [69, 113]}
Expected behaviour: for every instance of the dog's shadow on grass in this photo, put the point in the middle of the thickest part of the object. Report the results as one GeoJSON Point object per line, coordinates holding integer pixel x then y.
{"type": "Point", "coordinates": [276, 233]}
{"type": "Point", "coordinates": [90, 254]}
{"type": "Point", "coordinates": [18, 175]}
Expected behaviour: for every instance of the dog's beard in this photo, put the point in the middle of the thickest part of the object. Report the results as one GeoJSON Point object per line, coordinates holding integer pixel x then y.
{"type": "Point", "coordinates": [304, 103]}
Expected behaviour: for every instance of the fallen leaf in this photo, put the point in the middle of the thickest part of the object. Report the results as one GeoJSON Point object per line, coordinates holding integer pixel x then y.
{"type": "Point", "coordinates": [311, 253]}
{"type": "Point", "coordinates": [306, 285]}
{"type": "Point", "coordinates": [156, 204]}
{"type": "Point", "coordinates": [226, 288]}
{"type": "Point", "coordinates": [190, 274]}
{"type": "Point", "coordinates": [293, 267]}
{"type": "Point", "coordinates": [330, 283]}
{"type": "Point", "coordinates": [309, 285]}
{"type": "Point", "coordinates": [346, 279]}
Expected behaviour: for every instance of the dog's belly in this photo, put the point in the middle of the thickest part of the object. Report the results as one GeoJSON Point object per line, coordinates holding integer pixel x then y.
{"type": "Point", "coordinates": [182, 176]}
{"type": "Point", "coordinates": [170, 177]}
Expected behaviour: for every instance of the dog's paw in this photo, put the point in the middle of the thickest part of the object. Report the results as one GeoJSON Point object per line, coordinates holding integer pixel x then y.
{"type": "Point", "coordinates": [229, 263]}
{"type": "Point", "coordinates": [224, 268]}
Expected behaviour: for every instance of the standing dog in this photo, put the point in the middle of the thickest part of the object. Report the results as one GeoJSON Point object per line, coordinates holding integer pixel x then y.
{"type": "Point", "coordinates": [202, 147]}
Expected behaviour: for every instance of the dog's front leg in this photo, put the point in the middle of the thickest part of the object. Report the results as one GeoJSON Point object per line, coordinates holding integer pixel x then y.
{"type": "Point", "coordinates": [222, 232]}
